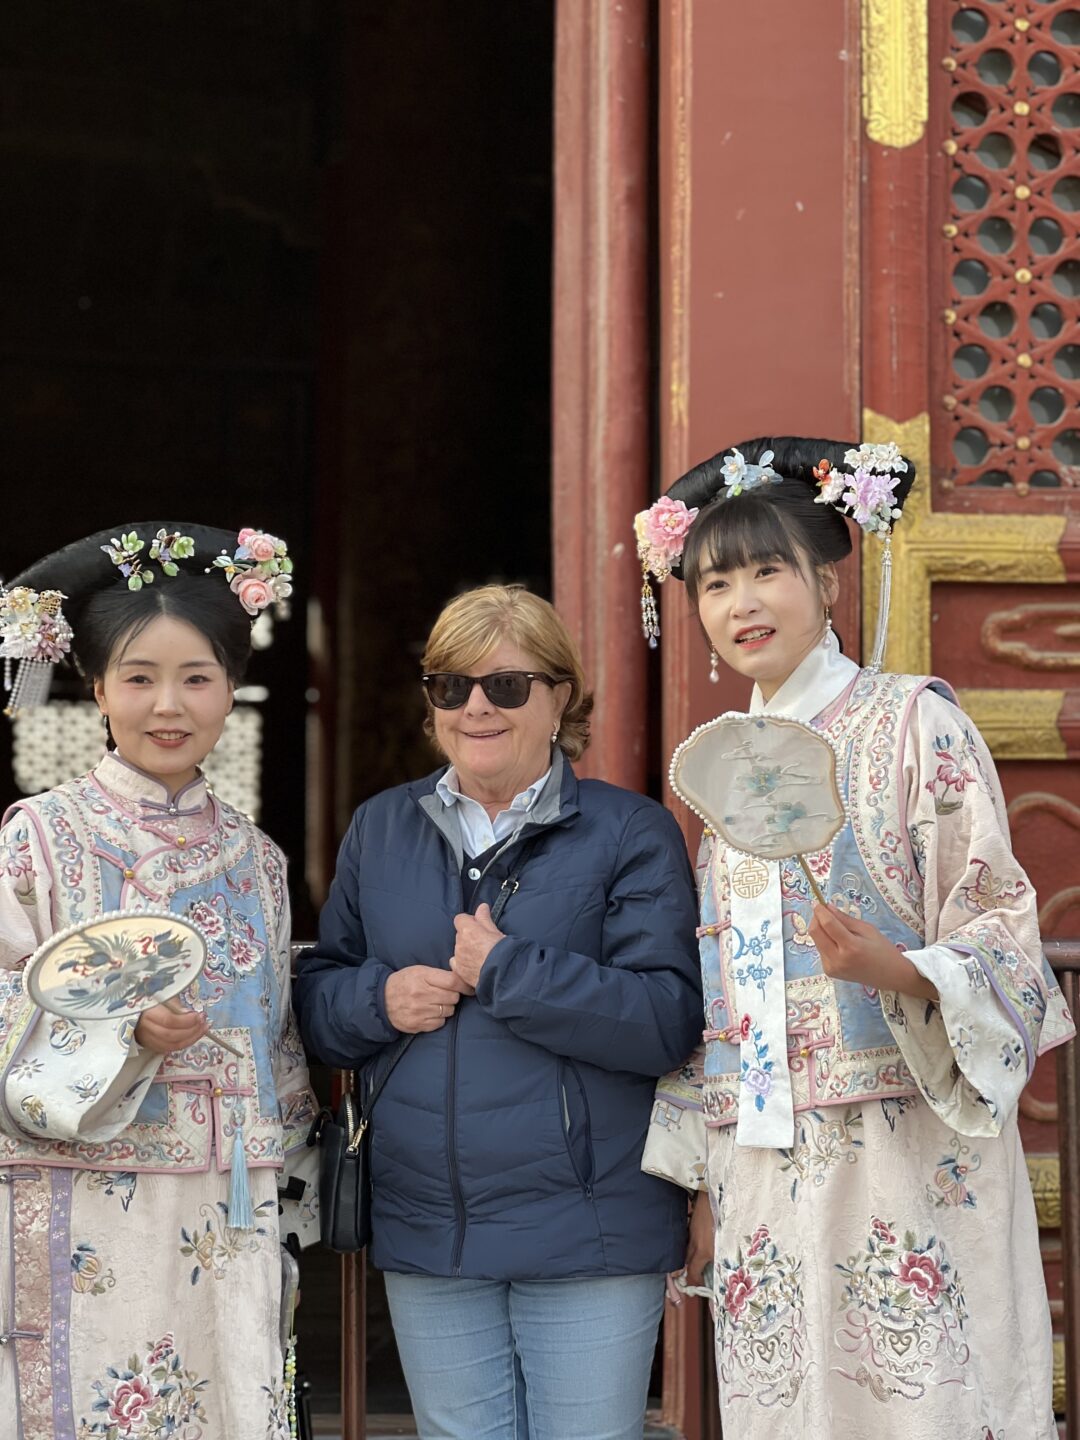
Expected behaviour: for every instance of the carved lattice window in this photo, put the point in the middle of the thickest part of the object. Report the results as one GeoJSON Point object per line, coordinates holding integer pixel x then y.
{"type": "Point", "coordinates": [1010, 382]}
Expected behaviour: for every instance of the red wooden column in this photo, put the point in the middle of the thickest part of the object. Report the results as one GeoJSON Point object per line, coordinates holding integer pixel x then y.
{"type": "Point", "coordinates": [759, 256]}
{"type": "Point", "coordinates": [600, 396]}
{"type": "Point", "coordinates": [759, 325]}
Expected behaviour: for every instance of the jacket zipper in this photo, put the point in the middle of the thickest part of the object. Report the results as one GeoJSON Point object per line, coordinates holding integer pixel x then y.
{"type": "Point", "coordinates": [451, 1148]}
{"type": "Point", "coordinates": [451, 1100]}
{"type": "Point", "coordinates": [586, 1185]}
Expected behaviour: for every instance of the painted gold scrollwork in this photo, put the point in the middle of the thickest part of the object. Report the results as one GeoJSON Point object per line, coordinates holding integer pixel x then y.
{"type": "Point", "coordinates": [1044, 1172]}
{"type": "Point", "coordinates": [1018, 724]}
{"type": "Point", "coordinates": [895, 79]}
{"type": "Point", "coordinates": [1063, 618]}
{"type": "Point", "coordinates": [929, 548]}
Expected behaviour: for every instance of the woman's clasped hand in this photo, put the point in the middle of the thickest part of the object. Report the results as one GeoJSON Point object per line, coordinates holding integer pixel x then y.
{"type": "Point", "coordinates": [421, 998]}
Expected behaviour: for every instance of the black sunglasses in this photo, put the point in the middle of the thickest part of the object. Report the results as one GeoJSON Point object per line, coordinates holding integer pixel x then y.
{"type": "Point", "coordinates": [508, 689]}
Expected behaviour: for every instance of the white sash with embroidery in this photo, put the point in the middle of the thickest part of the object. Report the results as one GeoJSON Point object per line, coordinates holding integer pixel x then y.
{"type": "Point", "coordinates": [766, 1110]}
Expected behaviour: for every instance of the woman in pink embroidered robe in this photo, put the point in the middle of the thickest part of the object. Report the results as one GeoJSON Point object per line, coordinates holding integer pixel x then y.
{"type": "Point", "coordinates": [877, 1271]}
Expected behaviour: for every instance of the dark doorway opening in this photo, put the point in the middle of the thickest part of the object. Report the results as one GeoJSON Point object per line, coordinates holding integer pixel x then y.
{"type": "Point", "coordinates": [287, 263]}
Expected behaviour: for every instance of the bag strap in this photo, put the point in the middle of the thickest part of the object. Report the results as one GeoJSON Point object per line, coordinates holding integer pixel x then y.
{"type": "Point", "coordinates": [508, 888]}
{"type": "Point", "coordinates": [511, 884]}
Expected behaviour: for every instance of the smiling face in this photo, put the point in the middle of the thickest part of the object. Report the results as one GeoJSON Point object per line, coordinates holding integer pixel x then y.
{"type": "Point", "coordinates": [166, 696]}
{"type": "Point", "coordinates": [763, 618]}
{"type": "Point", "coordinates": [498, 753]}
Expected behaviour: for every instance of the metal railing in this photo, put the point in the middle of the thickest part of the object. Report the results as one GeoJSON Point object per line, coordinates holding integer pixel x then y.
{"type": "Point", "coordinates": [1064, 957]}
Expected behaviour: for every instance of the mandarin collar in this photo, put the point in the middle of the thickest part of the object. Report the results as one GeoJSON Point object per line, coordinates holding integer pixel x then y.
{"type": "Point", "coordinates": [138, 788]}
{"type": "Point", "coordinates": [813, 685]}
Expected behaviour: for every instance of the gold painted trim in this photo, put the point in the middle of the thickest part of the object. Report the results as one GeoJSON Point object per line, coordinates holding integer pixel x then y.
{"type": "Point", "coordinates": [1018, 724]}
{"type": "Point", "coordinates": [1059, 1377]}
{"type": "Point", "coordinates": [931, 548]}
{"type": "Point", "coordinates": [895, 73]}
{"type": "Point", "coordinates": [1044, 1172]}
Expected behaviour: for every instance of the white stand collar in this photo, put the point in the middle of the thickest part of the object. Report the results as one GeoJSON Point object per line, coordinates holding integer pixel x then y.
{"type": "Point", "coordinates": [814, 684]}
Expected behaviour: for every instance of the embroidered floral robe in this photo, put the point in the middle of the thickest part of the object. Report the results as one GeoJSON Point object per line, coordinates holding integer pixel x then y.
{"type": "Point", "coordinates": [127, 1307]}
{"type": "Point", "coordinates": [881, 1275]}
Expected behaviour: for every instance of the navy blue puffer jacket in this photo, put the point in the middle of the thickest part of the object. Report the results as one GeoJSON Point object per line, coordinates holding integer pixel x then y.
{"type": "Point", "coordinates": [507, 1144]}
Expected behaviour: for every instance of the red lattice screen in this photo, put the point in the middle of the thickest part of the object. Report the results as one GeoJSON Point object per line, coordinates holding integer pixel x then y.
{"type": "Point", "coordinates": [1007, 111]}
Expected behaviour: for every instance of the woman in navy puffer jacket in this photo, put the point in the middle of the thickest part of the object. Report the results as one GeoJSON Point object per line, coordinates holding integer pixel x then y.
{"type": "Point", "coordinates": [525, 1251]}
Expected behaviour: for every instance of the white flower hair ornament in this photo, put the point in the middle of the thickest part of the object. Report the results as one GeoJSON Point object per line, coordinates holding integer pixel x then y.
{"type": "Point", "coordinates": [740, 476]}
{"type": "Point", "coordinates": [661, 531]}
{"type": "Point", "coordinates": [33, 632]}
{"type": "Point", "coordinates": [867, 495]}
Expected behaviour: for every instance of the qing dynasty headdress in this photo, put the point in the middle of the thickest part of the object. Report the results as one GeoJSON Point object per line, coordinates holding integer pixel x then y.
{"type": "Point", "coordinates": [824, 482]}
{"type": "Point", "coordinates": [41, 609]}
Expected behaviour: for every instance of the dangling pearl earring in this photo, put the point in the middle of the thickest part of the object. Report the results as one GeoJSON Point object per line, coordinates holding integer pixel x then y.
{"type": "Point", "coordinates": [828, 625]}
{"type": "Point", "coordinates": [714, 661]}
{"type": "Point", "coordinates": [555, 735]}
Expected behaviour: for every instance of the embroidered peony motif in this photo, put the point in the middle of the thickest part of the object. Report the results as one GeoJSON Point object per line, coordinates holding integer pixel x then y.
{"type": "Point", "coordinates": [761, 1332]}
{"type": "Point", "coordinates": [903, 1312]}
{"type": "Point", "coordinates": [236, 948]}
{"type": "Point", "coordinates": [737, 1291]}
{"type": "Point", "coordinates": [151, 1396]}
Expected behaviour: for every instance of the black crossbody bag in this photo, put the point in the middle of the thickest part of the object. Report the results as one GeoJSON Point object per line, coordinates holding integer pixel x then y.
{"type": "Point", "coordinates": [344, 1140]}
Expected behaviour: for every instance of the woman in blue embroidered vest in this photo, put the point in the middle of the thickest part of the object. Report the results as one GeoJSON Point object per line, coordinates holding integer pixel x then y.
{"type": "Point", "coordinates": [140, 1270]}
{"type": "Point", "coordinates": [865, 1222]}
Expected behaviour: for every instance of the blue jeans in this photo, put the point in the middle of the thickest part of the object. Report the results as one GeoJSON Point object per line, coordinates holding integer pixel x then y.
{"type": "Point", "coordinates": [527, 1359]}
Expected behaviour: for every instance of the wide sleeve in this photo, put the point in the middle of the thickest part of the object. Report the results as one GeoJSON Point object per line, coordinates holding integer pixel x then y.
{"type": "Point", "coordinates": [296, 1102]}
{"type": "Point", "coordinates": [25, 892]}
{"type": "Point", "coordinates": [971, 1051]}
{"type": "Point", "coordinates": [637, 1005]}
{"type": "Point", "coordinates": [60, 1079]}
{"type": "Point", "coordinates": [339, 988]}
{"type": "Point", "coordinates": [675, 1142]}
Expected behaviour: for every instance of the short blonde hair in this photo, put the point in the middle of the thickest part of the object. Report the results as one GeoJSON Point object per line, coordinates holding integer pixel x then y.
{"type": "Point", "coordinates": [472, 625]}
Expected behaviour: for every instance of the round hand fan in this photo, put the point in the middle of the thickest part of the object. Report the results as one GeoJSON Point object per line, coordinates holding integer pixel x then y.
{"type": "Point", "coordinates": [117, 964]}
{"type": "Point", "coordinates": [765, 783]}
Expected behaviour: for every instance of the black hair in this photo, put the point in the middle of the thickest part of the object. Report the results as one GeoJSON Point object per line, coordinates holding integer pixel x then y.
{"type": "Point", "coordinates": [774, 521]}
{"type": "Point", "coordinates": [115, 616]}
{"type": "Point", "coordinates": [778, 520]}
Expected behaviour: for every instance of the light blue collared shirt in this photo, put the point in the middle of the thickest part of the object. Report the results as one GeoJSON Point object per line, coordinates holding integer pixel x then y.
{"type": "Point", "coordinates": [478, 831]}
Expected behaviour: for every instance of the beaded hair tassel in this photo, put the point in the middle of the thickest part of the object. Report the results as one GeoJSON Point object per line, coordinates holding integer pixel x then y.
{"type": "Point", "coordinates": [35, 634]}
{"type": "Point", "coordinates": [650, 617]}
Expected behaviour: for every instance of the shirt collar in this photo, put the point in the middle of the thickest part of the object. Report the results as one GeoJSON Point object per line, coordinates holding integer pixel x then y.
{"type": "Point", "coordinates": [815, 683]}
{"type": "Point", "coordinates": [136, 787]}
{"type": "Point", "coordinates": [446, 787]}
